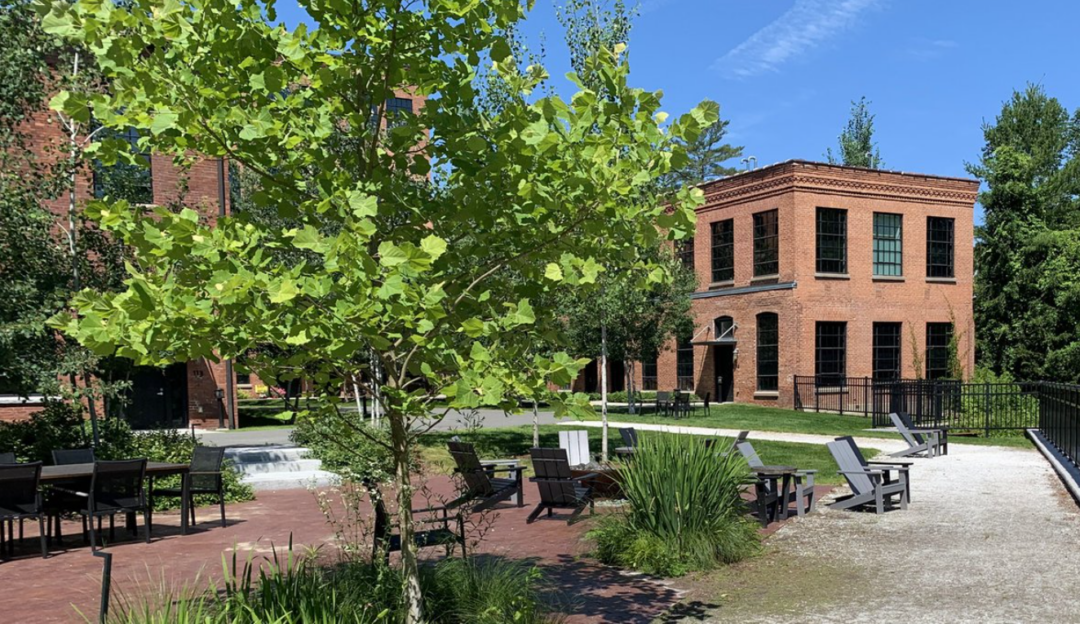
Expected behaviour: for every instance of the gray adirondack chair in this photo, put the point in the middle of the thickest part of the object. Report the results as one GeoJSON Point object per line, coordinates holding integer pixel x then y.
{"type": "Point", "coordinates": [877, 463]}
{"type": "Point", "coordinates": [481, 486]}
{"type": "Point", "coordinates": [918, 432]}
{"type": "Point", "coordinates": [558, 488]}
{"type": "Point", "coordinates": [868, 484]}
{"type": "Point", "coordinates": [804, 480]}
{"type": "Point", "coordinates": [630, 440]}
{"type": "Point", "coordinates": [924, 441]}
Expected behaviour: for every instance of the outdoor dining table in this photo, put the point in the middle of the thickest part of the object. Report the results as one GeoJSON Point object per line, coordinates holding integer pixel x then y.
{"type": "Point", "coordinates": [771, 491]}
{"type": "Point", "coordinates": [76, 472]}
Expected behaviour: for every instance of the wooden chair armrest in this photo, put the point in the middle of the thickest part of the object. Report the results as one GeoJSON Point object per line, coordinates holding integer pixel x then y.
{"type": "Point", "coordinates": [498, 468]}
{"type": "Point", "coordinates": [806, 472]}
{"type": "Point", "coordinates": [586, 477]}
{"type": "Point", "coordinates": [865, 471]}
{"type": "Point", "coordinates": [57, 488]}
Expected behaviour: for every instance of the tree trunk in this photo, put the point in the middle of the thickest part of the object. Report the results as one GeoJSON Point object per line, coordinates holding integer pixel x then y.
{"type": "Point", "coordinates": [603, 391]}
{"type": "Point", "coordinates": [630, 387]}
{"type": "Point", "coordinates": [536, 424]}
{"type": "Point", "coordinates": [409, 565]}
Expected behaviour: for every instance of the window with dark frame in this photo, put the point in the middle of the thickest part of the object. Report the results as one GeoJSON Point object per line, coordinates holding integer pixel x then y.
{"type": "Point", "coordinates": [766, 243]}
{"type": "Point", "coordinates": [886, 356]}
{"type": "Point", "coordinates": [648, 373]}
{"type": "Point", "coordinates": [938, 337]}
{"type": "Point", "coordinates": [396, 109]}
{"type": "Point", "coordinates": [243, 379]}
{"type": "Point", "coordinates": [684, 365]}
{"type": "Point", "coordinates": [132, 182]}
{"type": "Point", "coordinates": [888, 244]}
{"type": "Point", "coordinates": [768, 352]}
{"type": "Point", "coordinates": [831, 240]}
{"type": "Point", "coordinates": [723, 250]}
{"type": "Point", "coordinates": [830, 361]}
{"type": "Point", "coordinates": [724, 326]}
{"type": "Point", "coordinates": [684, 251]}
{"type": "Point", "coordinates": [940, 241]}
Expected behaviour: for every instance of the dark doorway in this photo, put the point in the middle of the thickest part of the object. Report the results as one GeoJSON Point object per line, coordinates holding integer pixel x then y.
{"type": "Point", "coordinates": [724, 366]}
{"type": "Point", "coordinates": [158, 397]}
{"type": "Point", "coordinates": [616, 376]}
{"type": "Point", "coordinates": [592, 378]}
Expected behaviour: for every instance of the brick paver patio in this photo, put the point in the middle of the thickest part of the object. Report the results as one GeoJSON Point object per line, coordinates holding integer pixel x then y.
{"type": "Point", "coordinates": [50, 590]}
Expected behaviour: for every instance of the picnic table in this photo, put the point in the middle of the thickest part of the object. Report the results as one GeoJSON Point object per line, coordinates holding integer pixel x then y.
{"type": "Point", "coordinates": [77, 472]}
{"type": "Point", "coordinates": [771, 491]}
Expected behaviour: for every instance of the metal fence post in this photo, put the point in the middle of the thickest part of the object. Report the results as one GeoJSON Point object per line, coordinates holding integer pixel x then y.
{"type": "Point", "coordinates": [106, 584]}
{"type": "Point", "coordinates": [986, 404]}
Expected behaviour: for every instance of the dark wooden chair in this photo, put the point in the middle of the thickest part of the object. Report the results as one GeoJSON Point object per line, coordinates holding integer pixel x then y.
{"type": "Point", "coordinates": [65, 457]}
{"type": "Point", "coordinates": [482, 487]}
{"type": "Point", "coordinates": [116, 487]}
{"type": "Point", "coordinates": [205, 478]}
{"type": "Point", "coordinates": [7, 458]}
{"type": "Point", "coordinates": [388, 540]}
{"type": "Point", "coordinates": [630, 441]}
{"type": "Point", "coordinates": [20, 499]}
{"type": "Point", "coordinates": [558, 488]}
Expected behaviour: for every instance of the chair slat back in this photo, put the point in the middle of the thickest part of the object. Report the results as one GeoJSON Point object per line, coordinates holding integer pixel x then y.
{"type": "Point", "coordinates": [845, 458]}
{"type": "Point", "coordinates": [751, 456]}
{"type": "Point", "coordinates": [902, 428]}
{"type": "Point", "coordinates": [19, 489]}
{"type": "Point", "coordinates": [550, 463]}
{"type": "Point", "coordinates": [739, 439]}
{"type": "Point", "coordinates": [207, 459]}
{"type": "Point", "coordinates": [576, 444]}
{"type": "Point", "coordinates": [906, 419]}
{"type": "Point", "coordinates": [118, 484]}
{"type": "Point", "coordinates": [629, 436]}
{"type": "Point", "coordinates": [850, 441]}
{"type": "Point", "coordinates": [64, 457]}
{"type": "Point", "coordinates": [7, 458]}
{"type": "Point", "coordinates": [557, 491]}
{"type": "Point", "coordinates": [468, 465]}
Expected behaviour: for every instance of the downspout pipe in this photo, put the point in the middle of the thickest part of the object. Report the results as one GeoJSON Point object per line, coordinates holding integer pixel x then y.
{"type": "Point", "coordinates": [230, 378]}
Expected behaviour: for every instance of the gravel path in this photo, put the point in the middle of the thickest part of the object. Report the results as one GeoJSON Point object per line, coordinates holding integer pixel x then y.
{"type": "Point", "coordinates": [990, 536]}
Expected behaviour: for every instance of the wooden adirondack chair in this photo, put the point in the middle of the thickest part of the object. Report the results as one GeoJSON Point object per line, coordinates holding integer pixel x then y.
{"type": "Point", "coordinates": [558, 488]}
{"type": "Point", "coordinates": [630, 440]}
{"type": "Point", "coordinates": [868, 484]}
{"type": "Point", "coordinates": [918, 432]}
{"type": "Point", "coordinates": [449, 528]}
{"type": "Point", "coordinates": [916, 442]}
{"type": "Point", "coordinates": [804, 479]}
{"type": "Point", "coordinates": [877, 463]}
{"type": "Point", "coordinates": [481, 485]}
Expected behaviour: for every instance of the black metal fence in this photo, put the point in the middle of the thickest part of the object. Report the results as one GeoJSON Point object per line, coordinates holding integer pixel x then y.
{"type": "Point", "coordinates": [960, 405]}
{"type": "Point", "coordinates": [1059, 417]}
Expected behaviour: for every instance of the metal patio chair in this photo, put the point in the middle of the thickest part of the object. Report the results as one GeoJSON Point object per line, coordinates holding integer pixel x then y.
{"type": "Point", "coordinates": [204, 478]}
{"type": "Point", "coordinates": [20, 499]}
{"type": "Point", "coordinates": [116, 487]}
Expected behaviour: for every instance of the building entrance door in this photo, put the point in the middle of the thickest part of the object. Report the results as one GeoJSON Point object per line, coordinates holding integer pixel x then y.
{"type": "Point", "coordinates": [158, 397]}
{"type": "Point", "coordinates": [724, 367]}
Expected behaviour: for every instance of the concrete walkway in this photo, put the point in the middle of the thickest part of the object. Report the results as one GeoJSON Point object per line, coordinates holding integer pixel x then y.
{"type": "Point", "coordinates": [885, 444]}
{"type": "Point", "coordinates": [990, 536]}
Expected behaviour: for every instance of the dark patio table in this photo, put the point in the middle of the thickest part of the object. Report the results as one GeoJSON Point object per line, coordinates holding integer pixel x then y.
{"type": "Point", "coordinates": [771, 491]}
{"type": "Point", "coordinates": [73, 472]}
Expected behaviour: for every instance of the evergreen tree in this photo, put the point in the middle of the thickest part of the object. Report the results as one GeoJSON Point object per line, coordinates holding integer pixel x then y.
{"type": "Point", "coordinates": [1027, 253]}
{"type": "Point", "coordinates": [857, 147]}
{"type": "Point", "coordinates": [705, 157]}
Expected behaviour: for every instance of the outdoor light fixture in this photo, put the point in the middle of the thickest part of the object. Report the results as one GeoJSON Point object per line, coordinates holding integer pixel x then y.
{"type": "Point", "coordinates": [219, 393]}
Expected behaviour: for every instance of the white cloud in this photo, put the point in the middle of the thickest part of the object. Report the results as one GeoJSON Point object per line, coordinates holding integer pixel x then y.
{"type": "Point", "coordinates": [802, 28]}
{"type": "Point", "coordinates": [929, 49]}
{"type": "Point", "coordinates": [648, 6]}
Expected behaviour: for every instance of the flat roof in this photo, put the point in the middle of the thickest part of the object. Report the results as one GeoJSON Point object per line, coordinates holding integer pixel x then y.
{"type": "Point", "coordinates": [823, 165]}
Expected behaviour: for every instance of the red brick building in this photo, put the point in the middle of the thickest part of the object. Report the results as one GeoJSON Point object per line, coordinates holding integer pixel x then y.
{"type": "Point", "coordinates": [812, 269]}
{"type": "Point", "coordinates": [200, 393]}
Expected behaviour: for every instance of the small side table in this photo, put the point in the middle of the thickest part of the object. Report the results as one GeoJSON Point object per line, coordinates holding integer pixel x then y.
{"type": "Point", "coordinates": [771, 491]}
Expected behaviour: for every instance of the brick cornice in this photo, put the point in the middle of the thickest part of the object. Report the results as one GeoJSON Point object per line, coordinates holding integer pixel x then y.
{"type": "Point", "coordinates": [839, 181]}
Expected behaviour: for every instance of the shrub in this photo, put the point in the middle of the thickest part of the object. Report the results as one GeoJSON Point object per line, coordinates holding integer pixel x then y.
{"type": "Point", "coordinates": [58, 426]}
{"type": "Point", "coordinates": [685, 512]}
{"type": "Point", "coordinates": [347, 448]}
{"type": "Point", "coordinates": [299, 590]}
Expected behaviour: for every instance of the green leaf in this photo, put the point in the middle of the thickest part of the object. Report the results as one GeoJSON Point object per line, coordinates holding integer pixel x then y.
{"type": "Point", "coordinates": [164, 120]}
{"type": "Point", "coordinates": [283, 291]}
{"type": "Point", "coordinates": [553, 272]}
{"type": "Point", "coordinates": [433, 246]}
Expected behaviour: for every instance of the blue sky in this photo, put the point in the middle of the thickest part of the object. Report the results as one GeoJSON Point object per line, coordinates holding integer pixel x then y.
{"type": "Point", "coordinates": [785, 71]}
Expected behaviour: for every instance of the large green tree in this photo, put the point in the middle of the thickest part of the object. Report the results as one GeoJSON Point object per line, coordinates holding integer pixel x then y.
{"type": "Point", "coordinates": [1027, 252]}
{"type": "Point", "coordinates": [856, 142]}
{"type": "Point", "coordinates": [433, 271]}
{"type": "Point", "coordinates": [706, 156]}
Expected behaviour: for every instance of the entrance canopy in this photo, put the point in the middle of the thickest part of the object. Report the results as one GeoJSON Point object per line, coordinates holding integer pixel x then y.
{"type": "Point", "coordinates": [718, 333]}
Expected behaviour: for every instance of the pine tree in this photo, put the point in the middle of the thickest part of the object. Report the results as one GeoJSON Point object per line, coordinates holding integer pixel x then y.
{"type": "Point", "coordinates": [857, 147]}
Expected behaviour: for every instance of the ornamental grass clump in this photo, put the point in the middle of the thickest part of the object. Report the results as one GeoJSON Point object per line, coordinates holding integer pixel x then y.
{"type": "Point", "coordinates": [684, 509]}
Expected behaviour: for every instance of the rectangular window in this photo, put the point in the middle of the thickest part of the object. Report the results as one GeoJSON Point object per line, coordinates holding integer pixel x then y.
{"type": "Point", "coordinates": [243, 379]}
{"type": "Point", "coordinates": [887, 339]}
{"type": "Point", "coordinates": [940, 242]}
{"type": "Point", "coordinates": [684, 365]}
{"type": "Point", "coordinates": [830, 364]}
{"type": "Point", "coordinates": [888, 244]}
{"type": "Point", "coordinates": [723, 250]}
{"type": "Point", "coordinates": [396, 108]}
{"type": "Point", "coordinates": [831, 240]}
{"type": "Point", "coordinates": [648, 374]}
{"type": "Point", "coordinates": [766, 243]}
{"type": "Point", "coordinates": [132, 182]}
{"type": "Point", "coordinates": [938, 337]}
{"type": "Point", "coordinates": [768, 352]}
{"type": "Point", "coordinates": [684, 250]}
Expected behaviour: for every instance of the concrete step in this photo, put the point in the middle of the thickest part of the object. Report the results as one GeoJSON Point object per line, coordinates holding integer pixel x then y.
{"type": "Point", "coordinates": [291, 480]}
{"type": "Point", "coordinates": [265, 454]}
{"type": "Point", "coordinates": [298, 465]}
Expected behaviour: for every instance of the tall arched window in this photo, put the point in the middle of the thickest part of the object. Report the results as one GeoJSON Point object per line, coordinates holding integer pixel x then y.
{"type": "Point", "coordinates": [768, 352]}
{"type": "Point", "coordinates": [684, 364]}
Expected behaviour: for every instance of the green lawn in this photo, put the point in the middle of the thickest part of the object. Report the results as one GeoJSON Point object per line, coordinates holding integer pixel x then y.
{"type": "Point", "coordinates": [757, 418]}
{"type": "Point", "coordinates": [515, 442]}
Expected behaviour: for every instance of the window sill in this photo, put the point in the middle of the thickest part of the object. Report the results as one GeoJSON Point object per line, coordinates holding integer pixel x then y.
{"type": "Point", "coordinates": [889, 278]}
{"type": "Point", "coordinates": [13, 399]}
{"type": "Point", "coordinates": [832, 276]}
{"type": "Point", "coordinates": [765, 278]}
{"type": "Point", "coordinates": [766, 394]}
{"type": "Point", "coordinates": [941, 280]}
{"type": "Point", "coordinates": [719, 285]}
